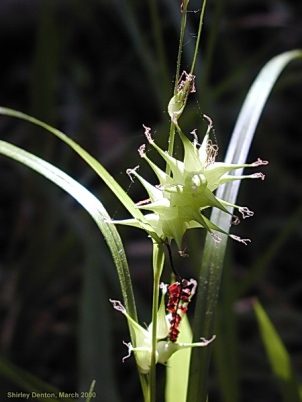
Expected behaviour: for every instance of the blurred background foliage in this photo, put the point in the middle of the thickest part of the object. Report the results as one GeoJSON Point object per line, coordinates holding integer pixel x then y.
{"type": "Point", "coordinates": [98, 70]}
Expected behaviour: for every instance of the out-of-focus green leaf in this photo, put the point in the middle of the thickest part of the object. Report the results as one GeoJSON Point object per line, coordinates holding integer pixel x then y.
{"type": "Point", "coordinates": [225, 346]}
{"type": "Point", "coordinates": [29, 382]}
{"type": "Point", "coordinates": [96, 317]}
{"type": "Point", "coordinates": [278, 357]}
{"type": "Point", "coordinates": [90, 393]}
{"type": "Point", "coordinates": [260, 266]}
{"type": "Point", "coordinates": [145, 55]}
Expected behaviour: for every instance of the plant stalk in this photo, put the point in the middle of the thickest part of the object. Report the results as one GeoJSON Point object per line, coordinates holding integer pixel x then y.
{"type": "Point", "coordinates": [198, 35]}
{"type": "Point", "coordinates": [177, 74]}
{"type": "Point", "coordinates": [158, 262]}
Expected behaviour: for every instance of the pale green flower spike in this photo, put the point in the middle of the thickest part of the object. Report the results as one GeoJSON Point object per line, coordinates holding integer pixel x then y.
{"type": "Point", "coordinates": [178, 201]}
{"type": "Point", "coordinates": [142, 348]}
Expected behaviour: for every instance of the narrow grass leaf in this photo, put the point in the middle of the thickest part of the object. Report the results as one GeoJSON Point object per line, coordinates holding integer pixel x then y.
{"type": "Point", "coordinates": [92, 205]}
{"type": "Point", "coordinates": [90, 393]}
{"type": "Point", "coordinates": [89, 202]}
{"type": "Point", "coordinates": [92, 162]}
{"type": "Point", "coordinates": [278, 357]}
{"type": "Point", "coordinates": [29, 382]}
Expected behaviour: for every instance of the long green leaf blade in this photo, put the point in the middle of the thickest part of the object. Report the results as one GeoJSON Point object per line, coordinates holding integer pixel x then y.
{"type": "Point", "coordinates": [92, 205]}
{"type": "Point", "coordinates": [92, 162]}
{"type": "Point", "coordinates": [211, 268]}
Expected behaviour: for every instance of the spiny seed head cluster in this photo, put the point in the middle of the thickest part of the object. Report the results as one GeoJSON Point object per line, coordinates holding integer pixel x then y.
{"type": "Point", "coordinates": [177, 203]}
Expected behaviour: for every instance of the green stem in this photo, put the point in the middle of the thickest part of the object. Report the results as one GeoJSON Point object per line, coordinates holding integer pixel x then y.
{"type": "Point", "coordinates": [198, 35]}
{"type": "Point", "coordinates": [145, 386]}
{"type": "Point", "coordinates": [178, 64]}
{"type": "Point", "coordinates": [181, 41]}
{"type": "Point", "coordinates": [158, 262]}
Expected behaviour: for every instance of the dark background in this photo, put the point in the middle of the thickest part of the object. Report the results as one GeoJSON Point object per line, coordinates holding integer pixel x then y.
{"type": "Point", "coordinates": [91, 69]}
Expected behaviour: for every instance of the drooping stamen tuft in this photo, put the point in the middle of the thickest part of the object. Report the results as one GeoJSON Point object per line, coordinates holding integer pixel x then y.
{"type": "Point", "coordinates": [245, 212]}
{"type": "Point", "coordinates": [212, 152]}
{"type": "Point", "coordinates": [237, 238]}
{"type": "Point", "coordinates": [148, 134]}
{"type": "Point", "coordinates": [258, 175]}
{"type": "Point", "coordinates": [142, 150]}
{"type": "Point", "coordinates": [117, 305]}
{"type": "Point", "coordinates": [195, 138]}
{"type": "Point", "coordinates": [131, 172]}
{"type": "Point", "coordinates": [259, 162]}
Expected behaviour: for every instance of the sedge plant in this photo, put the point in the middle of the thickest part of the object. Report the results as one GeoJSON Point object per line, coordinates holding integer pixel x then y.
{"type": "Point", "coordinates": [184, 191]}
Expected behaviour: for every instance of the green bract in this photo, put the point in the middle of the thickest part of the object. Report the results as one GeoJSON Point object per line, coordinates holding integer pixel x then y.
{"type": "Point", "coordinates": [178, 202]}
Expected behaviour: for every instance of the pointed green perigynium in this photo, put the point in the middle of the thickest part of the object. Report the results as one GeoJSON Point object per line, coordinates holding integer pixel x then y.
{"type": "Point", "coordinates": [178, 201]}
{"type": "Point", "coordinates": [142, 348]}
{"type": "Point", "coordinates": [186, 85]}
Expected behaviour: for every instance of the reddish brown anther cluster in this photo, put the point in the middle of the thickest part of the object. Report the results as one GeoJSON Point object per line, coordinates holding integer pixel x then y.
{"type": "Point", "coordinates": [179, 296]}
